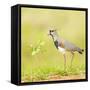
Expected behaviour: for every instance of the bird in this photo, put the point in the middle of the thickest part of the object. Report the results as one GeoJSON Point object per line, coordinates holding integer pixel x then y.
{"type": "Point", "coordinates": [63, 45]}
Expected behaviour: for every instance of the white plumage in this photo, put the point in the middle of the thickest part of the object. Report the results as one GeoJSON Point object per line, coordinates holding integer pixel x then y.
{"type": "Point", "coordinates": [61, 50]}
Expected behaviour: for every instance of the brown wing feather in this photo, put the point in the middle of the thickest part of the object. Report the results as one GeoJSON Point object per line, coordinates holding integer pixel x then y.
{"type": "Point", "coordinates": [61, 44]}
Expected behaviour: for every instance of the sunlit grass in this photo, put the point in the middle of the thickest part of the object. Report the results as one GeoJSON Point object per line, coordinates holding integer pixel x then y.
{"type": "Point", "coordinates": [39, 67]}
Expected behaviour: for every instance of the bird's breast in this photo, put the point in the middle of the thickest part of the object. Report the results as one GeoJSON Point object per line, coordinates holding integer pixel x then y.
{"type": "Point", "coordinates": [61, 49]}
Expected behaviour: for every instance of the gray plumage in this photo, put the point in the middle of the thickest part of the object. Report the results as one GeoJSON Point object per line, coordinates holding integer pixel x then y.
{"type": "Point", "coordinates": [72, 47]}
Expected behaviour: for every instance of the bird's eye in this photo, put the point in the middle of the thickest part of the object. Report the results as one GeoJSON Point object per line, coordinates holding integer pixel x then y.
{"type": "Point", "coordinates": [51, 31]}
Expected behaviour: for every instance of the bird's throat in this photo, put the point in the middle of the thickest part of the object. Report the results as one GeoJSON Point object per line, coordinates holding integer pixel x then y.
{"type": "Point", "coordinates": [55, 38]}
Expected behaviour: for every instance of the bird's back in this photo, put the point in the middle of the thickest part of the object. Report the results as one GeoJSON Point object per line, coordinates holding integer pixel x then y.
{"type": "Point", "coordinates": [70, 46]}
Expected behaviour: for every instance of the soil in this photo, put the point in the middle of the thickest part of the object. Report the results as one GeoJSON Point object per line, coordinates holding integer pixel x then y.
{"type": "Point", "coordinates": [70, 77]}
{"type": "Point", "coordinates": [58, 78]}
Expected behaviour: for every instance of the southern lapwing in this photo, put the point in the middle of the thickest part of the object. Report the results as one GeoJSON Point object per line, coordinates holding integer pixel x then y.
{"type": "Point", "coordinates": [63, 46]}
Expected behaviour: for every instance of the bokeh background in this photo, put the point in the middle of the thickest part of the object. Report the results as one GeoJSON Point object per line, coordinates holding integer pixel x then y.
{"type": "Point", "coordinates": [40, 60]}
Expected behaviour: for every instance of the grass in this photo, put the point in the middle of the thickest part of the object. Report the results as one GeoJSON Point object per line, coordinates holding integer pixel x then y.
{"type": "Point", "coordinates": [40, 59]}
{"type": "Point", "coordinates": [37, 69]}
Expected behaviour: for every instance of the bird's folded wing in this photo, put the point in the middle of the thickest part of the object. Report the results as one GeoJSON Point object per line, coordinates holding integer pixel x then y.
{"type": "Point", "coordinates": [67, 45]}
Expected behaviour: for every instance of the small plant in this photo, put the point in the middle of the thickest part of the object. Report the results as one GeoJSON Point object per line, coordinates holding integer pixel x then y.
{"type": "Point", "coordinates": [37, 48]}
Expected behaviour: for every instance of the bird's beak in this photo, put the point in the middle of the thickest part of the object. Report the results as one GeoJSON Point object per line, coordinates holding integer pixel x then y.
{"type": "Point", "coordinates": [48, 34]}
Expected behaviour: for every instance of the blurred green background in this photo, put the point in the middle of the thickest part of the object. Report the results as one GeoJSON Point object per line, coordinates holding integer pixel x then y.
{"type": "Point", "coordinates": [40, 60]}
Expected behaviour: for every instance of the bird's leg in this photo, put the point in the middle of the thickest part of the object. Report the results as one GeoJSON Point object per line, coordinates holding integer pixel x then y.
{"type": "Point", "coordinates": [64, 62]}
{"type": "Point", "coordinates": [71, 59]}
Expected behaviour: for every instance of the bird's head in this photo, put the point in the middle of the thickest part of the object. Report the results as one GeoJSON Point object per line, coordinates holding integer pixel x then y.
{"type": "Point", "coordinates": [52, 32]}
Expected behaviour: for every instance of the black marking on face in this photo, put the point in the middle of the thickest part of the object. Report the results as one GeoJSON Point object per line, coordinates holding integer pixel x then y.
{"type": "Point", "coordinates": [51, 31]}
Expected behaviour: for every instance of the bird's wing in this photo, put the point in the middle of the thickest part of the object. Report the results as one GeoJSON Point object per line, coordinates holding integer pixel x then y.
{"type": "Point", "coordinates": [67, 45]}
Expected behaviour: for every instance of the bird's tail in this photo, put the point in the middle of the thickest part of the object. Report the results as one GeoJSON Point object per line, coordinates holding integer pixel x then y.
{"type": "Point", "coordinates": [80, 50]}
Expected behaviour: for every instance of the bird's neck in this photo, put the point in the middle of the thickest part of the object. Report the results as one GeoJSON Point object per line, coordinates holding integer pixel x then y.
{"type": "Point", "coordinates": [55, 37]}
